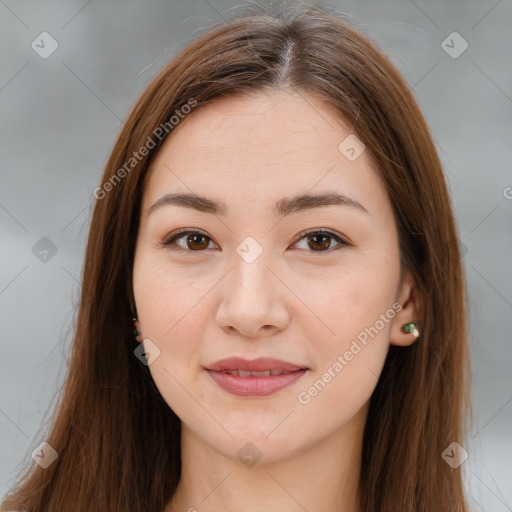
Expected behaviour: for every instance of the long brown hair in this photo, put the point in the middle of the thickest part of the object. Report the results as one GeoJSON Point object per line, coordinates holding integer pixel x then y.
{"type": "Point", "coordinates": [118, 442]}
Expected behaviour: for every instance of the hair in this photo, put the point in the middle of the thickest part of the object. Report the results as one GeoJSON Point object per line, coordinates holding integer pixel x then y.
{"type": "Point", "coordinates": [118, 441]}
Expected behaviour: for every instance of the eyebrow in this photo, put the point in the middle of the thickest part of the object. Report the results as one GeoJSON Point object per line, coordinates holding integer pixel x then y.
{"type": "Point", "coordinates": [282, 208]}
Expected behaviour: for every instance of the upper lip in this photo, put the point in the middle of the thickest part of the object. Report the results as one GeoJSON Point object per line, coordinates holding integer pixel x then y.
{"type": "Point", "coordinates": [257, 365]}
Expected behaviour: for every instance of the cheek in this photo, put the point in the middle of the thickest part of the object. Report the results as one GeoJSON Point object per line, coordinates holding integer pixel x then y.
{"type": "Point", "coordinates": [349, 299]}
{"type": "Point", "coordinates": [163, 296]}
{"type": "Point", "coordinates": [173, 322]}
{"type": "Point", "coordinates": [351, 343]}
{"type": "Point", "coordinates": [347, 369]}
{"type": "Point", "coordinates": [167, 310]}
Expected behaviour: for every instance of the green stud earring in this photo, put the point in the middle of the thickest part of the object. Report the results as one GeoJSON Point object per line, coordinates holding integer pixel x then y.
{"type": "Point", "coordinates": [411, 327]}
{"type": "Point", "coordinates": [135, 331]}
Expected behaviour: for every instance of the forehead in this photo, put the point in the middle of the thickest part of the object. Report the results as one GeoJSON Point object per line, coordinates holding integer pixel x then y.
{"type": "Point", "coordinates": [257, 144]}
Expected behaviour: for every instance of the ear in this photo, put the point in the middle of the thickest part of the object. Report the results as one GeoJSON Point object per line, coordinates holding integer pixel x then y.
{"type": "Point", "coordinates": [411, 300]}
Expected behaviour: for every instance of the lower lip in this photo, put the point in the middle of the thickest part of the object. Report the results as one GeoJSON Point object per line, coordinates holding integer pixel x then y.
{"type": "Point", "coordinates": [254, 386]}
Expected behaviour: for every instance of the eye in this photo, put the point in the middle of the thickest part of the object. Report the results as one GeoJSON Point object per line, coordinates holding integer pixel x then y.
{"type": "Point", "coordinates": [318, 240]}
{"type": "Point", "coordinates": [196, 241]}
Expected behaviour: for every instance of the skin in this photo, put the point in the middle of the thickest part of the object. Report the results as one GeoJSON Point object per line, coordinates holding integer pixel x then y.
{"type": "Point", "coordinates": [293, 302]}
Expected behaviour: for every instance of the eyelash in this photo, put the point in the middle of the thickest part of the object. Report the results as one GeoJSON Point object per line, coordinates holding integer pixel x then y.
{"type": "Point", "coordinates": [303, 234]}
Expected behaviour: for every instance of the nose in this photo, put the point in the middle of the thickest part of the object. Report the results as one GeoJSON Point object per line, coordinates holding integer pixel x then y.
{"type": "Point", "coordinates": [253, 299]}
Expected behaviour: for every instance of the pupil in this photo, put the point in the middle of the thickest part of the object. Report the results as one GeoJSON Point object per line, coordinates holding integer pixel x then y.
{"type": "Point", "coordinates": [325, 237]}
{"type": "Point", "coordinates": [192, 239]}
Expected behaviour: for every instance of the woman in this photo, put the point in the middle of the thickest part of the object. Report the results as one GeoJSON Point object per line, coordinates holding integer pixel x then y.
{"type": "Point", "coordinates": [275, 222]}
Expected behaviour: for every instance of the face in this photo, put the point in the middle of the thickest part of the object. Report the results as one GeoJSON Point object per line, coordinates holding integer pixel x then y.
{"type": "Point", "coordinates": [312, 283]}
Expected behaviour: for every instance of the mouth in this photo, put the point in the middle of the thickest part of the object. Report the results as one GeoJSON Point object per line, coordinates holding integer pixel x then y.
{"type": "Point", "coordinates": [250, 373]}
{"type": "Point", "coordinates": [259, 377]}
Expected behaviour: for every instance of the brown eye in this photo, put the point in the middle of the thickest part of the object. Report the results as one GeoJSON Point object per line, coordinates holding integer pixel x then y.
{"type": "Point", "coordinates": [196, 241]}
{"type": "Point", "coordinates": [193, 240]}
{"type": "Point", "coordinates": [320, 241]}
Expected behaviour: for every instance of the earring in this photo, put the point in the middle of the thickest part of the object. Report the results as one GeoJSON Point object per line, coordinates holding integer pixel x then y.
{"type": "Point", "coordinates": [411, 327]}
{"type": "Point", "coordinates": [136, 331]}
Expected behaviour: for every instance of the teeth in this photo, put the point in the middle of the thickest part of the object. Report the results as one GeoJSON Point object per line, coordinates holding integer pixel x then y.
{"type": "Point", "coordinates": [249, 373]}
{"type": "Point", "coordinates": [261, 374]}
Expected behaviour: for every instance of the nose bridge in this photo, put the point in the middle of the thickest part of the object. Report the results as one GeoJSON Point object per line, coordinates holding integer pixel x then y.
{"type": "Point", "coordinates": [250, 272]}
{"type": "Point", "coordinates": [251, 294]}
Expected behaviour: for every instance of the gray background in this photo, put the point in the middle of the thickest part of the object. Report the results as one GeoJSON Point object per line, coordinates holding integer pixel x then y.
{"type": "Point", "coordinates": [60, 116]}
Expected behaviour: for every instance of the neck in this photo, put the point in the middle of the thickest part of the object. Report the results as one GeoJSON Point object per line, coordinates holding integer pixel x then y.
{"type": "Point", "coordinates": [323, 477]}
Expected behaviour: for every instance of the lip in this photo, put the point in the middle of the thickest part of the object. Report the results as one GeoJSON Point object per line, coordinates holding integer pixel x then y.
{"type": "Point", "coordinates": [258, 365]}
{"type": "Point", "coordinates": [254, 385]}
